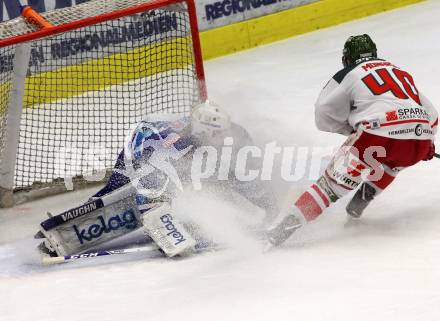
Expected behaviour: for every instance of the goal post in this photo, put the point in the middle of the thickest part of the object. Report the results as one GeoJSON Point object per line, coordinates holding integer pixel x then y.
{"type": "Point", "coordinates": [72, 90]}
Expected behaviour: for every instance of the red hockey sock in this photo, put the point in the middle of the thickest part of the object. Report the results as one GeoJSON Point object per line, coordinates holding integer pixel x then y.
{"type": "Point", "coordinates": [312, 202]}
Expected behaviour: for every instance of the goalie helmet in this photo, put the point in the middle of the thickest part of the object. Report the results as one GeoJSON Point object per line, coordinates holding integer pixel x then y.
{"type": "Point", "coordinates": [358, 47]}
{"type": "Point", "coordinates": [208, 120]}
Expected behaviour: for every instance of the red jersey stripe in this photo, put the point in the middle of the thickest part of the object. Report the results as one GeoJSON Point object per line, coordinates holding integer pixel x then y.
{"type": "Point", "coordinates": [420, 121]}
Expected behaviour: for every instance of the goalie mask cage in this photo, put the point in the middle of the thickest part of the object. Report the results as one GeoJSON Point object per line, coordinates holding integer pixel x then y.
{"type": "Point", "coordinates": [71, 92]}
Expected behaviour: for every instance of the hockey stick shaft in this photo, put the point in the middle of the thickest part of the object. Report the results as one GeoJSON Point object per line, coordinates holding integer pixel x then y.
{"type": "Point", "coordinates": [437, 155]}
{"type": "Point", "coordinates": [151, 248]}
{"type": "Point", "coordinates": [68, 258]}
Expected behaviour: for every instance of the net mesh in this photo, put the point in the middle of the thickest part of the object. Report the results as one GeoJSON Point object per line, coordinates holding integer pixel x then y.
{"type": "Point", "coordinates": [86, 88]}
{"type": "Point", "coordinates": [6, 73]}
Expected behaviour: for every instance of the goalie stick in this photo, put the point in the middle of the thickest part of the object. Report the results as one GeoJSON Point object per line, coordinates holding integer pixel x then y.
{"type": "Point", "coordinates": [151, 248]}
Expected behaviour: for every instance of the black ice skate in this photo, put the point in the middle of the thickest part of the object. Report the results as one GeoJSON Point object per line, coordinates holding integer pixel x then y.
{"type": "Point", "coordinates": [364, 195]}
{"type": "Point", "coordinates": [283, 230]}
{"type": "Point", "coordinates": [46, 249]}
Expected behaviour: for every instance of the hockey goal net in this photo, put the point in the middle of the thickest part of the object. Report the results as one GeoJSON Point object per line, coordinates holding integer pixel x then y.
{"type": "Point", "coordinates": [70, 92]}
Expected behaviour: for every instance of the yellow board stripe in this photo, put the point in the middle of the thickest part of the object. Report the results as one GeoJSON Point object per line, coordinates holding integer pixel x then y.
{"type": "Point", "coordinates": [112, 70]}
{"type": "Point", "coordinates": [5, 93]}
{"type": "Point", "coordinates": [100, 73]}
{"type": "Point", "coordinates": [252, 33]}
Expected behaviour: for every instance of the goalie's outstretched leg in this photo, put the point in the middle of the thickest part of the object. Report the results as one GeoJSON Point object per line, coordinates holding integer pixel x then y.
{"type": "Point", "coordinates": [112, 220]}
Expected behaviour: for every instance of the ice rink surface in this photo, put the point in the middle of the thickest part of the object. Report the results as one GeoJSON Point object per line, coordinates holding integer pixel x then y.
{"type": "Point", "coordinates": [385, 269]}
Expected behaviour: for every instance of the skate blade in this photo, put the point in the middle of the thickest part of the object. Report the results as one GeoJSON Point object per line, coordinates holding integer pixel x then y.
{"type": "Point", "coordinates": [352, 222]}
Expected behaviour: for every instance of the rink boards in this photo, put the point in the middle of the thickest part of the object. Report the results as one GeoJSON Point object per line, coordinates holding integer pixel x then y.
{"type": "Point", "coordinates": [284, 24]}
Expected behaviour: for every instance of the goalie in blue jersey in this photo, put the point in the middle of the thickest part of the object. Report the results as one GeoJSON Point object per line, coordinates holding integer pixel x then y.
{"type": "Point", "coordinates": [161, 158]}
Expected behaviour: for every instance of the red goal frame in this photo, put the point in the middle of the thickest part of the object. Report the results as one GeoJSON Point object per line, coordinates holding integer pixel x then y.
{"type": "Point", "coordinates": [54, 30]}
{"type": "Point", "coordinates": [25, 35]}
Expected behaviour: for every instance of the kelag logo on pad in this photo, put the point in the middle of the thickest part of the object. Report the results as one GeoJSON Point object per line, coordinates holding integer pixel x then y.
{"type": "Point", "coordinates": [167, 220]}
{"type": "Point", "coordinates": [125, 220]}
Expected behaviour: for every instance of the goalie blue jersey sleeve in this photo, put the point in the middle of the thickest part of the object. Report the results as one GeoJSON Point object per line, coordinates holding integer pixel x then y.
{"type": "Point", "coordinates": [147, 139]}
{"type": "Point", "coordinates": [158, 159]}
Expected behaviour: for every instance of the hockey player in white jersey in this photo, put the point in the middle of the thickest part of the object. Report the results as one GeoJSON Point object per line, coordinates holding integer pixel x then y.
{"type": "Point", "coordinates": [155, 163]}
{"type": "Point", "coordinates": [390, 126]}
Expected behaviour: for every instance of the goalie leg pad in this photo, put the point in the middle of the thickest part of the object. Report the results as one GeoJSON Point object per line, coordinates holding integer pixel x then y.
{"type": "Point", "coordinates": [167, 232]}
{"type": "Point", "coordinates": [91, 225]}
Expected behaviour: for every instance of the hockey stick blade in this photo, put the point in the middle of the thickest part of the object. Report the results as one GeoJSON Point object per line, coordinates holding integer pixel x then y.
{"type": "Point", "coordinates": [437, 155]}
{"type": "Point", "coordinates": [152, 248]}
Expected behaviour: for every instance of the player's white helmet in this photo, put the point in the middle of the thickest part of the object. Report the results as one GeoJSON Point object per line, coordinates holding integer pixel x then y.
{"type": "Point", "coordinates": [208, 120]}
